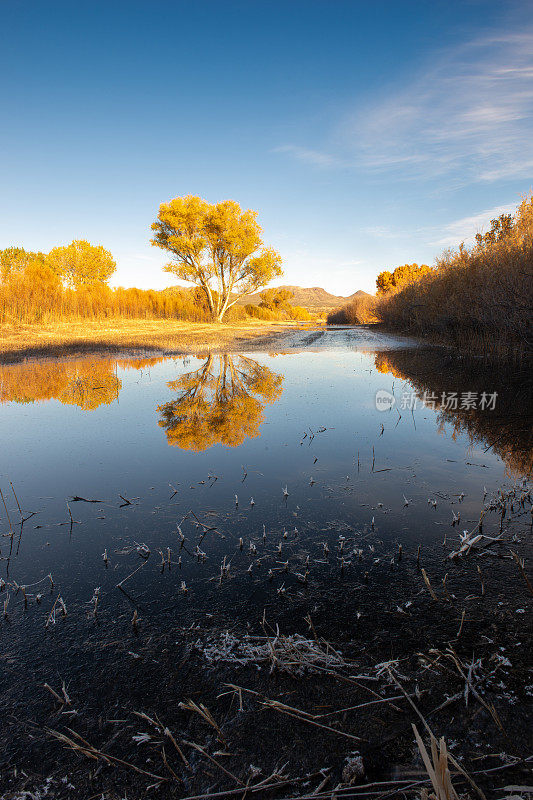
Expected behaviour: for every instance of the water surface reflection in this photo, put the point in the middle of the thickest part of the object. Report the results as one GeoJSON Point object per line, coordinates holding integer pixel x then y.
{"type": "Point", "coordinates": [505, 429]}
{"type": "Point", "coordinates": [221, 402]}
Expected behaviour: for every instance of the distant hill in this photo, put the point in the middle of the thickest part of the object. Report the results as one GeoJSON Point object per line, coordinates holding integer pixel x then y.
{"type": "Point", "coordinates": [312, 298]}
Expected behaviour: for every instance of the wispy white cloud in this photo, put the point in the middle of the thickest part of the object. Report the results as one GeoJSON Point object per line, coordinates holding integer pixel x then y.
{"type": "Point", "coordinates": [314, 157]}
{"type": "Point", "coordinates": [470, 115]}
{"type": "Point", "coordinates": [464, 229]}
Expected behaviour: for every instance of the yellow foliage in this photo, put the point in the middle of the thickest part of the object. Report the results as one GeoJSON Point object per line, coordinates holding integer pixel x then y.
{"type": "Point", "coordinates": [31, 291]}
{"type": "Point", "coordinates": [477, 298]}
{"type": "Point", "coordinates": [508, 430]}
{"type": "Point", "coordinates": [360, 311]}
{"type": "Point", "coordinates": [217, 247]}
{"type": "Point", "coordinates": [220, 403]}
{"type": "Point", "coordinates": [87, 383]}
{"type": "Point", "coordinates": [401, 276]}
{"type": "Point", "coordinates": [299, 314]}
{"type": "Point", "coordinates": [81, 263]}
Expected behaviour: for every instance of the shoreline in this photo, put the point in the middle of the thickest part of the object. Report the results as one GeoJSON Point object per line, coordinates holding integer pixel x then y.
{"type": "Point", "coordinates": [18, 343]}
{"type": "Point", "coordinates": [480, 347]}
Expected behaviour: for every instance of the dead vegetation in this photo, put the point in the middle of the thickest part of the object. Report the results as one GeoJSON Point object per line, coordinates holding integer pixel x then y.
{"type": "Point", "coordinates": [281, 657]}
{"type": "Point", "coordinates": [114, 336]}
{"type": "Point", "coordinates": [360, 311]}
{"type": "Point", "coordinates": [205, 739]}
{"type": "Point", "coordinates": [477, 299]}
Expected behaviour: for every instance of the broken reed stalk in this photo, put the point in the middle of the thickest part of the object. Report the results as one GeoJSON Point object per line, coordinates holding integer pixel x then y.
{"type": "Point", "coordinates": [54, 694]}
{"type": "Point", "coordinates": [462, 623]}
{"type": "Point", "coordinates": [445, 588]}
{"type": "Point", "coordinates": [203, 711]}
{"type": "Point", "coordinates": [521, 566]}
{"type": "Point", "coordinates": [158, 725]}
{"type": "Point", "coordinates": [65, 700]}
{"type": "Point", "coordinates": [119, 585]}
{"type": "Point", "coordinates": [290, 711]}
{"type": "Point", "coordinates": [207, 528]}
{"type": "Point", "coordinates": [167, 765]}
{"type": "Point", "coordinates": [7, 514]}
{"type": "Point", "coordinates": [426, 726]}
{"type": "Point", "coordinates": [361, 705]}
{"type": "Point", "coordinates": [470, 687]}
{"type": "Point", "coordinates": [217, 763]}
{"type": "Point", "coordinates": [59, 602]}
{"type": "Point", "coordinates": [93, 753]}
{"type": "Point", "coordinates": [281, 780]}
{"type": "Point", "coordinates": [178, 749]}
{"type": "Point", "coordinates": [429, 586]}
{"type": "Point", "coordinates": [437, 767]}
{"type": "Point", "coordinates": [16, 499]}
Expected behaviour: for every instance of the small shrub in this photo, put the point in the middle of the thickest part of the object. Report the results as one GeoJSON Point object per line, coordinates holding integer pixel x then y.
{"type": "Point", "coordinates": [361, 311]}
{"type": "Point", "coordinates": [261, 313]}
{"type": "Point", "coordinates": [299, 314]}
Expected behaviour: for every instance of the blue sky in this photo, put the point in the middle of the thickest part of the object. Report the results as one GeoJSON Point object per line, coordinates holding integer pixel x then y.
{"type": "Point", "coordinates": [366, 135]}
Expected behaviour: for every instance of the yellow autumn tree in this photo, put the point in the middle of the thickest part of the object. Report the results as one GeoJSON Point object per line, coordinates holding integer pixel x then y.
{"type": "Point", "coordinates": [218, 247]}
{"type": "Point", "coordinates": [87, 383]}
{"type": "Point", "coordinates": [81, 263]}
{"type": "Point", "coordinates": [402, 276]}
{"type": "Point", "coordinates": [220, 403]}
{"type": "Point", "coordinates": [276, 299]}
{"type": "Point", "coordinates": [15, 260]}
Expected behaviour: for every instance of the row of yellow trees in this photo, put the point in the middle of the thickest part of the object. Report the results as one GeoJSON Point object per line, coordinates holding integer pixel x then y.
{"type": "Point", "coordinates": [216, 247]}
{"type": "Point", "coordinates": [33, 292]}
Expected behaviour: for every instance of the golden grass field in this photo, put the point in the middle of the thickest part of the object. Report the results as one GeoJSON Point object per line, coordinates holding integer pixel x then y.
{"type": "Point", "coordinates": [66, 338]}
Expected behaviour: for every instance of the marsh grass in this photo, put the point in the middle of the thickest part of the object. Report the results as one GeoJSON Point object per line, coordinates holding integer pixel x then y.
{"type": "Point", "coordinates": [38, 297]}
{"type": "Point", "coordinates": [361, 311]}
{"type": "Point", "coordinates": [118, 335]}
{"type": "Point", "coordinates": [479, 299]}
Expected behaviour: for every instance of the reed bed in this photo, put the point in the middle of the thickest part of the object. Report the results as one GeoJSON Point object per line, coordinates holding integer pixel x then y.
{"type": "Point", "coordinates": [38, 298]}
{"type": "Point", "coordinates": [478, 299]}
{"type": "Point", "coordinates": [361, 311]}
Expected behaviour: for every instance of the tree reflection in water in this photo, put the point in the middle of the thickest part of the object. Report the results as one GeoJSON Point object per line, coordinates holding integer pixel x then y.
{"type": "Point", "coordinates": [84, 382]}
{"type": "Point", "coordinates": [221, 402]}
{"type": "Point", "coordinates": [87, 383]}
{"type": "Point", "coordinates": [507, 430]}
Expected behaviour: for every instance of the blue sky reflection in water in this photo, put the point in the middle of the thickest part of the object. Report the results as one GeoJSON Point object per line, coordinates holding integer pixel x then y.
{"type": "Point", "coordinates": [311, 417]}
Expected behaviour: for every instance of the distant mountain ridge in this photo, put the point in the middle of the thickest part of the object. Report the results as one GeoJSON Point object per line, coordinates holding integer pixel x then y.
{"type": "Point", "coordinates": [313, 297]}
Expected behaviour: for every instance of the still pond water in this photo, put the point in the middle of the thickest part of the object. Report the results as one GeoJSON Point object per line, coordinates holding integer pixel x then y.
{"type": "Point", "coordinates": [156, 440]}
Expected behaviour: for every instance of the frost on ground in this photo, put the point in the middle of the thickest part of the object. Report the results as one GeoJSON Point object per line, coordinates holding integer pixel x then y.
{"type": "Point", "coordinates": [293, 654]}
